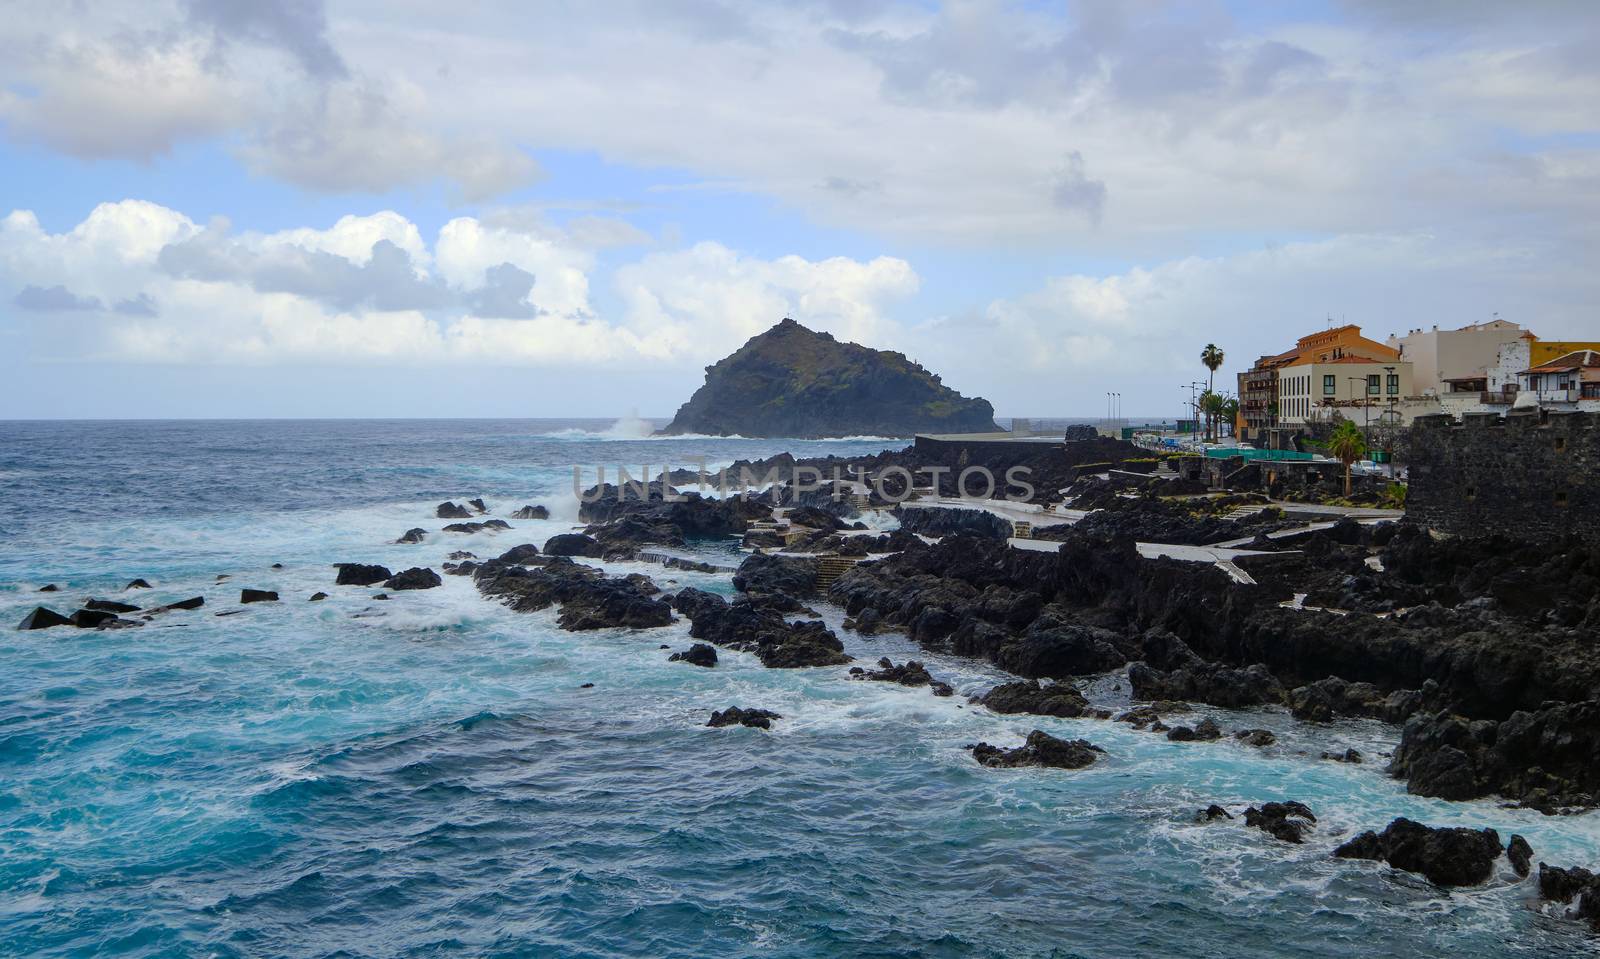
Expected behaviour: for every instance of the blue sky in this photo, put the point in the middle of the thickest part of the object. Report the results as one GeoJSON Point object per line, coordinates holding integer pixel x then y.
{"type": "Point", "coordinates": [361, 209]}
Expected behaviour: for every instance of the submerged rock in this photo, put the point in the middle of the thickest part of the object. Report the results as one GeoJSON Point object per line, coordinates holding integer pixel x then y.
{"type": "Point", "coordinates": [257, 596]}
{"type": "Point", "coordinates": [193, 602]}
{"type": "Point", "coordinates": [358, 574]}
{"type": "Point", "coordinates": [1447, 855]}
{"type": "Point", "coordinates": [49, 588]}
{"type": "Point", "coordinates": [413, 536]}
{"type": "Point", "coordinates": [1348, 756]}
{"type": "Point", "coordinates": [317, 597]}
{"type": "Point", "coordinates": [418, 577]}
{"type": "Point", "coordinates": [43, 617]}
{"type": "Point", "coordinates": [1040, 749]}
{"type": "Point", "coordinates": [1288, 821]}
{"type": "Point", "coordinates": [734, 716]}
{"type": "Point", "coordinates": [699, 654]}
{"type": "Point", "coordinates": [1256, 737]}
{"type": "Point", "coordinates": [137, 584]}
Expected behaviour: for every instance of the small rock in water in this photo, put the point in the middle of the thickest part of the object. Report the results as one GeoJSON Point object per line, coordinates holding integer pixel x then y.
{"type": "Point", "coordinates": [734, 716]}
{"type": "Point", "coordinates": [380, 595]}
{"type": "Point", "coordinates": [1284, 820]}
{"type": "Point", "coordinates": [449, 510]}
{"type": "Point", "coordinates": [1348, 756]}
{"type": "Point", "coordinates": [1256, 737]}
{"type": "Point", "coordinates": [110, 606]}
{"type": "Point", "coordinates": [1447, 856]}
{"type": "Point", "coordinates": [1521, 855]}
{"type": "Point", "coordinates": [700, 654]}
{"type": "Point", "coordinates": [257, 596]}
{"type": "Point", "coordinates": [43, 618]}
{"type": "Point", "coordinates": [277, 566]}
{"type": "Point", "coordinates": [221, 577]}
{"type": "Point", "coordinates": [49, 588]}
{"type": "Point", "coordinates": [478, 504]}
{"type": "Point", "coordinates": [193, 602]}
{"type": "Point", "coordinates": [418, 577]}
{"type": "Point", "coordinates": [531, 512]}
{"type": "Point", "coordinates": [462, 554]}
{"type": "Point", "coordinates": [587, 686]}
{"type": "Point", "coordinates": [1213, 812]}
{"type": "Point", "coordinates": [138, 584]}
{"type": "Point", "coordinates": [317, 597]}
{"type": "Point", "coordinates": [412, 536]}
{"type": "Point", "coordinates": [1565, 885]}
{"type": "Point", "coordinates": [358, 574]}
{"type": "Point", "coordinates": [90, 618]}
{"type": "Point", "coordinates": [1040, 749]}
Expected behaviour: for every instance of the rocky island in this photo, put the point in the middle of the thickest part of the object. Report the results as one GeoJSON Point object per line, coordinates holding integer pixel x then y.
{"type": "Point", "coordinates": [795, 382]}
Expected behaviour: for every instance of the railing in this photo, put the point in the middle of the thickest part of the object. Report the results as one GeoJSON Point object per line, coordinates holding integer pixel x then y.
{"type": "Point", "coordinates": [1497, 399]}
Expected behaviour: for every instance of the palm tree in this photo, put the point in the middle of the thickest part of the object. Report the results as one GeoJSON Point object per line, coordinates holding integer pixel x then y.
{"type": "Point", "coordinates": [1230, 413]}
{"type": "Point", "coordinates": [1347, 445]}
{"type": "Point", "coordinates": [1212, 357]}
{"type": "Point", "coordinates": [1211, 405]}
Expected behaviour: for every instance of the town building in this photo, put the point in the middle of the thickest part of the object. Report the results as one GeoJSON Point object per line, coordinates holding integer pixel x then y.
{"type": "Point", "coordinates": [1565, 380]}
{"type": "Point", "coordinates": [1454, 361]}
{"type": "Point", "coordinates": [1316, 379]}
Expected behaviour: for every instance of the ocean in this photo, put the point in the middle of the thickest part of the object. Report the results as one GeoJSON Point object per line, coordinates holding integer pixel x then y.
{"type": "Point", "coordinates": [429, 776]}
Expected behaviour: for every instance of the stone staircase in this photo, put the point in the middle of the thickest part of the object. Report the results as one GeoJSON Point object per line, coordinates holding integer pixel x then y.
{"type": "Point", "coordinates": [1244, 511]}
{"type": "Point", "coordinates": [1021, 529]}
{"type": "Point", "coordinates": [830, 568]}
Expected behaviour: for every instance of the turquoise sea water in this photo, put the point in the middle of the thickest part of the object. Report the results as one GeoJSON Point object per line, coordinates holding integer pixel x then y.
{"type": "Point", "coordinates": [425, 776]}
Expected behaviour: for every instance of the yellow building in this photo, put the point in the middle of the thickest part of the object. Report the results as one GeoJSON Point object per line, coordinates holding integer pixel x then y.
{"type": "Point", "coordinates": [1288, 389]}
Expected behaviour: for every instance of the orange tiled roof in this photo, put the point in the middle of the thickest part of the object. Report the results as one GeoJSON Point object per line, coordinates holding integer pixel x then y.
{"type": "Point", "coordinates": [1576, 360]}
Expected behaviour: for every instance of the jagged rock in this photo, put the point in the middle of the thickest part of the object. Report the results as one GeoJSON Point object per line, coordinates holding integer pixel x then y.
{"type": "Point", "coordinates": [1028, 696]}
{"type": "Point", "coordinates": [358, 574]}
{"type": "Point", "coordinates": [93, 618]}
{"type": "Point", "coordinates": [760, 629]}
{"type": "Point", "coordinates": [1544, 758]}
{"type": "Point", "coordinates": [912, 673]}
{"type": "Point", "coordinates": [452, 511]}
{"type": "Point", "coordinates": [588, 598]}
{"type": "Point", "coordinates": [461, 569]}
{"type": "Point", "coordinates": [1204, 731]}
{"type": "Point", "coordinates": [317, 597]}
{"type": "Point", "coordinates": [417, 577]}
{"type": "Point", "coordinates": [1563, 886]}
{"type": "Point", "coordinates": [1212, 813]}
{"type": "Point", "coordinates": [531, 512]}
{"type": "Point", "coordinates": [1287, 821]}
{"type": "Point", "coordinates": [1521, 855]}
{"type": "Point", "coordinates": [110, 606]}
{"type": "Point", "coordinates": [734, 716]}
{"type": "Point", "coordinates": [137, 584]}
{"type": "Point", "coordinates": [257, 596]}
{"type": "Point", "coordinates": [1040, 749]}
{"type": "Point", "coordinates": [793, 382]}
{"type": "Point", "coordinates": [478, 505]}
{"type": "Point", "coordinates": [463, 554]}
{"type": "Point", "coordinates": [572, 544]}
{"type": "Point", "coordinates": [1326, 699]}
{"type": "Point", "coordinates": [43, 618]}
{"type": "Point", "coordinates": [193, 602]}
{"type": "Point", "coordinates": [1256, 737]}
{"type": "Point", "coordinates": [699, 654]}
{"type": "Point", "coordinates": [413, 536]}
{"type": "Point", "coordinates": [1209, 683]}
{"type": "Point", "coordinates": [516, 555]}
{"type": "Point", "coordinates": [624, 538]}
{"type": "Point", "coordinates": [1348, 756]}
{"type": "Point", "coordinates": [1447, 856]}
{"type": "Point", "coordinates": [762, 573]}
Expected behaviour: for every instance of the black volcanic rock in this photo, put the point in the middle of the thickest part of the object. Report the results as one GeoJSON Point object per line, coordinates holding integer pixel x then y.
{"type": "Point", "coordinates": [795, 382]}
{"type": "Point", "coordinates": [1040, 749]}
{"type": "Point", "coordinates": [360, 574]}
{"type": "Point", "coordinates": [1447, 855]}
{"type": "Point", "coordinates": [43, 617]}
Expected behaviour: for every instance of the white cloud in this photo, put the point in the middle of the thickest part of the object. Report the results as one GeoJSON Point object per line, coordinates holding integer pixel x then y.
{"type": "Point", "coordinates": [150, 285]}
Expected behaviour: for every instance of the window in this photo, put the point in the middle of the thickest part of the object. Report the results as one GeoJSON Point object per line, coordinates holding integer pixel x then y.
{"type": "Point", "coordinates": [1472, 493]}
{"type": "Point", "coordinates": [1561, 497]}
{"type": "Point", "coordinates": [1328, 384]}
{"type": "Point", "coordinates": [1394, 384]}
{"type": "Point", "coordinates": [1373, 381]}
{"type": "Point", "coordinates": [1561, 444]}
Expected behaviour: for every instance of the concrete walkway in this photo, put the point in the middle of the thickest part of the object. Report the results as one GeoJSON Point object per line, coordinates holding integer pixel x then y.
{"type": "Point", "coordinates": [1221, 557]}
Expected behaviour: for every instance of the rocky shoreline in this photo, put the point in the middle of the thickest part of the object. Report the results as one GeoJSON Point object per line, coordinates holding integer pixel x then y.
{"type": "Point", "coordinates": [1482, 651]}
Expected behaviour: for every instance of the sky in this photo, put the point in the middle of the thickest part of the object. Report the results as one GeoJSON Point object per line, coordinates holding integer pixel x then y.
{"type": "Point", "coordinates": [320, 208]}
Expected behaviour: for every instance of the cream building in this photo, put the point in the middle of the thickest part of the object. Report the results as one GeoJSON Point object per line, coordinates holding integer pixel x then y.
{"type": "Point", "coordinates": [1444, 360]}
{"type": "Point", "coordinates": [1357, 388]}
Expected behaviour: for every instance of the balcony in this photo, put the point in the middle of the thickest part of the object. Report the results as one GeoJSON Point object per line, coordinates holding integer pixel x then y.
{"type": "Point", "coordinates": [1496, 399]}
